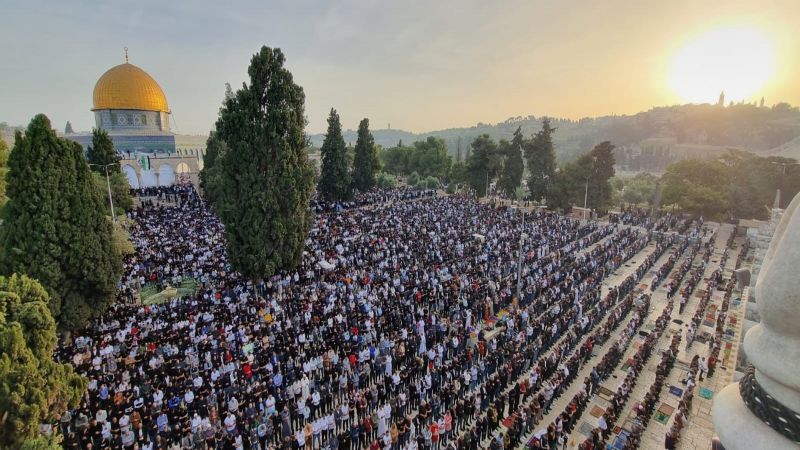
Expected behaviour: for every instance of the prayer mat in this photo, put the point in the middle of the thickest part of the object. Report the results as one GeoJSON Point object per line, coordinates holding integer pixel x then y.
{"type": "Point", "coordinates": [643, 333]}
{"type": "Point", "coordinates": [585, 429]}
{"type": "Point", "coordinates": [706, 393]}
{"type": "Point", "coordinates": [666, 409]}
{"type": "Point", "coordinates": [678, 321]}
{"type": "Point", "coordinates": [661, 417]}
{"type": "Point", "coordinates": [627, 365]}
{"type": "Point", "coordinates": [617, 430]}
{"type": "Point", "coordinates": [700, 293]}
{"type": "Point", "coordinates": [597, 411]}
{"type": "Point", "coordinates": [676, 391]}
{"type": "Point", "coordinates": [508, 421]}
{"type": "Point", "coordinates": [605, 393]}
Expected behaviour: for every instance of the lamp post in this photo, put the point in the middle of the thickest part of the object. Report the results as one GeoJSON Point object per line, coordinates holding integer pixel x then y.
{"type": "Point", "coordinates": [108, 184]}
{"type": "Point", "coordinates": [585, 197]}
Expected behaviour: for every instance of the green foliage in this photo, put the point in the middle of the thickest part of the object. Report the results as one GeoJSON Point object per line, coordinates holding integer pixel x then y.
{"type": "Point", "coordinates": [639, 189]}
{"type": "Point", "coordinates": [334, 181]}
{"type": "Point", "coordinates": [385, 180]}
{"type": "Point", "coordinates": [698, 187]}
{"type": "Point", "coordinates": [120, 191]}
{"type": "Point", "coordinates": [429, 183]}
{"type": "Point", "coordinates": [55, 227]}
{"type": "Point", "coordinates": [263, 189]}
{"type": "Point", "coordinates": [513, 165]}
{"type": "Point", "coordinates": [589, 174]}
{"type": "Point", "coordinates": [210, 175]}
{"type": "Point", "coordinates": [427, 158]}
{"type": "Point", "coordinates": [365, 161]}
{"type": "Point", "coordinates": [33, 388]}
{"type": "Point", "coordinates": [602, 170]}
{"type": "Point", "coordinates": [541, 158]}
{"type": "Point", "coordinates": [102, 153]}
{"type": "Point", "coordinates": [413, 179]}
{"type": "Point", "coordinates": [458, 172]}
{"type": "Point", "coordinates": [483, 164]}
{"type": "Point", "coordinates": [122, 237]}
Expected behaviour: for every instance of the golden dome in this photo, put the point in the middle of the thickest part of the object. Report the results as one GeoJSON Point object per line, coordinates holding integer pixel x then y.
{"type": "Point", "coordinates": [128, 87]}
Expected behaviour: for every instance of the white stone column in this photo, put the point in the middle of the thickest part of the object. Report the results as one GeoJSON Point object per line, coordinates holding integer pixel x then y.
{"type": "Point", "coordinates": [773, 346]}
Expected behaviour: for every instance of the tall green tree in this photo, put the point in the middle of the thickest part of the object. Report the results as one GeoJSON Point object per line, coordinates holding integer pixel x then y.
{"type": "Point", "coordinates": [513, 164]}
{"type": "Point", "coordinates": [33, 388]}
{"type": "Point", "coordinates": [698, 187]}
{"type": "Point", "coordinates": [265, 178]}
{"type": "Point", "coordinates": [587, 179]}
{"type": "Point", "coordinates": [540, 156]}
{"type": "Point", "coordinates": [429, 158]}
{"type": "Point", "coordinates": [210, 175]}
{"type": "Point", "coordinates": [334, 179]}
{"type": "Point", "coordinates": [365, 161]}
{"type": "Point", "coordinates": [482, 164]}
{"type": "Point", "coordinates": [103, 157]}
{"type": "Point", "coordinates": [102, 152]}
{"type": "Point", "coordinates": [639, 189]}
{"type": "Point", "coordinates": [601, 170]}
{"type": "Point", "coordinates": [55, 226]}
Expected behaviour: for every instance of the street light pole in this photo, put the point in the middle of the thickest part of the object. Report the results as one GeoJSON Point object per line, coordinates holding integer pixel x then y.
{"type": "Point", "coordinates": [108, 184]}
{"type": "Point", "coordinates": [585, 197]}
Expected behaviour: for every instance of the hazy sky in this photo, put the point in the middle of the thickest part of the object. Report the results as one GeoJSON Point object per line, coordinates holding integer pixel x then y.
{"type": "Point", "coordinates": [417, 65]}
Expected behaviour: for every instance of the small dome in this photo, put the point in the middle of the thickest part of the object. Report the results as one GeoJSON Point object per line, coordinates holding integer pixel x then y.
{"type": "Point", "coordinates": [128, 87]}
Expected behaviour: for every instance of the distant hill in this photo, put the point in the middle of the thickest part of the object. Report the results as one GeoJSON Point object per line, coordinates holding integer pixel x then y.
{"type": "Point", "coordinates": [745, 126]}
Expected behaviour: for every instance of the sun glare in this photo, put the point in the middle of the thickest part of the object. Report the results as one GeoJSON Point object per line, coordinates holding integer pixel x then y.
{"type": "Point", "coordinates": [738, 61]}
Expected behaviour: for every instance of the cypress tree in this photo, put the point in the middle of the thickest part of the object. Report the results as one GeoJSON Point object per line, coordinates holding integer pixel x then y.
{"type": "Point", "coordinates": [55, 227]}
{"type": "Point", "coordinates": [541, 157]}
{"type": "Point", "coordinates": [365, 162]}
{"type": "Point", "coordinates": [513, 165]}
{"type": "Point", "coordinates": [102, 152]}
{"type": "Point", "coordinates": [263, 191]}
{"type": "Point", "coordinates": [481, 164]}
{"type": "Point", "coordinates": [334, 180]}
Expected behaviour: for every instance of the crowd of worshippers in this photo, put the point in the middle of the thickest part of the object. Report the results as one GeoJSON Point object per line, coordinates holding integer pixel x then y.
{"type": "Point", "coordinates": [372, 197]}
{"type": "Point", "coordinates": [401, 328]}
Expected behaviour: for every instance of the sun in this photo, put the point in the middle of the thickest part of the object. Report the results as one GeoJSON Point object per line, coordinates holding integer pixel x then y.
{"type": "Point", "coordinates": [738, 61]}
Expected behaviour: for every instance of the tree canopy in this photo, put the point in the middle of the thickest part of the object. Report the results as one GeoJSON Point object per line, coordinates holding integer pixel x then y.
{"type": "Point", "coordinates": [265, 181]}
{"type": "Point", "coordinates": [55, 226]}
{"type": "Point", "coordinates": [541, 158]}
{"type": "Point", "coordinates": [427, 158]}
{"type": "Point", "coordinates": [334, 180]}
{"type": "Point", "coordinates": [365, 161]}
{"type": "Point", "coordinates": [585, 179]}
{"type": "Point", "coordinates": [102, 153]}
{"type": "Point", "coordinates": [33, 388]}
{"type": "Point", "coordinates": [483, 164]}
{"type": "Point", "coordinates": [698, 187]}
{"type": "Point", "coordinates": [513, 165]}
